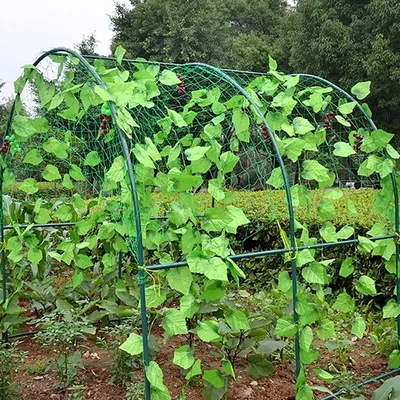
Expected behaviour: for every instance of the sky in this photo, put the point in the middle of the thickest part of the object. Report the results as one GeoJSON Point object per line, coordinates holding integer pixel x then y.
{"type": "Point", "coordinates": [29, 27]}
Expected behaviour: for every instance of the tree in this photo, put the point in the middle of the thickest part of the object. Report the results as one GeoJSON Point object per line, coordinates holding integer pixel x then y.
{"type": "Point", "coordinates": [87, 46]}
{"type": "Point", "coordinates": [235, 34]}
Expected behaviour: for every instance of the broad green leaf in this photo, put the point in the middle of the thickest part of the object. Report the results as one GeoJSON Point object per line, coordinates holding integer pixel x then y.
{"type": "Point", "coordinates": [391, 309]}
{"type": "Point", "coordinates": [366, 285]}
{"type": "Point", "coordinates": [33, 157]}
{"type": "Point", "coordinates": [237, 320]}
{"type": "Point", "coordinates": [92, 159]}
{"type": "Point", "coordinates": [315, 273]}
{"type": "Point", "coordinates": [258, 366]}
{"type": "Point", "coordinates": [119, 54]}
{"type": "Point", "coordinates": [285, 326]}
{"type": "Point", "coordinates": [302, 125]}
{"type": "Point", "coordinates": [180, 279]}
{"type": "Point", "coordinates": [344, 303]}
{"type": "Point", "coordinates": [51, 173]}
{"type": "Point", "coordinates": [29, 186]}
{"type": "Point", "coordinates": [214, 377]}
{"type": "Point", "coordinates": [347, 268]}
{"type": "Point", "coordinates": [361, 90]}
{"type": "Point", "coordinates": [324, 375]}
{"type": "Point", "coordinates": [184, 357]}
{"type": "Point", "coordinates": [174, 322]}
{"type": "Point", "coordinates": [176, 118]}
{"type": "Point", "coordinates": [394, 362]}
{"type": "Point", "coordinates": [196, 370]}
{"type": "Point", "coordinates": [228, 368]}
{"type": "Point", "coordinates": [207, 331]}
{"type": "Point", "coordinates": [228, 161]}
{"type": "Point", "coordinates": [118, 170]}
{"type": "Point", "coordinates": [306, 338]}
{"type": "Point", "coordinates": [133, 345]}
{"type": "Point", "coordinates": [76, 173]}
{"type": "Point", "coordinates": [343, 149]}
{"type": "Point", "coordinates": [35, 256]}
{"type": "Point", "coordinates": [358, 327]}
{"type": "Point", "coordinates": [276, 178]}
{"type": "Point", "coordinates": [313, 170]}
{"type": "Point", "coordinates": [241, 122]}
{"type": "Point", "coordinates": [347, 108]}
{"type": "Point", "coordinates": [326, 209]}
{"type": "Point", "coordinates": [326, 329]}
{"type": "Point", "coordinates": [342, 121]}
{"type": "Point", "coordinates": [169, 78]}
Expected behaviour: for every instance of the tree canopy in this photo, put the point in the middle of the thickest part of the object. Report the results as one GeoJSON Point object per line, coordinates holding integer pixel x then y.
{"type": "Point", "coordinates": [343, 41]}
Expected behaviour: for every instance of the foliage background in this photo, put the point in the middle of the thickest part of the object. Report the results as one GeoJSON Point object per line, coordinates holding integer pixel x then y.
{"type": "Point", "coordinates": [342, 41]}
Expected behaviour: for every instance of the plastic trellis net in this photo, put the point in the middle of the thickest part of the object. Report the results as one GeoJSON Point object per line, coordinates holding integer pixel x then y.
{"type": "Point", "coordinates": [170, 170]}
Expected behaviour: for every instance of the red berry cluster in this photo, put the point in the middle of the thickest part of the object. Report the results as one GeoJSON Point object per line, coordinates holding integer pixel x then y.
{"type": "Point", "coordinates": [264, 132]}
{"type": "Point", "coordinates": [5, 147]}
{"type": "Point", "coordinates": [180, 87]}
{"type": "Point", "coordinates": [358, 142]}
{"type": "Point", "coordinates": [328, 121]}
{"type": "Point", "coordinates": [104, 124]}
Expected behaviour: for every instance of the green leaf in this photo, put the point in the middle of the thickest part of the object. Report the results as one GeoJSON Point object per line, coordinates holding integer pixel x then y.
{"type": "Point", "coordinates": [228, 368]}
{"type": "Point", "coordinates": [174, 322]}
{"type": "Point", "coordinates": [351, 210]}
{"type": "Point", "coordinates": [306, 338]}
{"type": "Point", "coordinates": [155, 375]}
{"type": "Point", "coordinates": [118, 170]}
{"type": "Point", "coordinates": [394, 361]}
{"type": "Point", "coordinates": [76, 173]}
{"type": "Point", "coordinates": [184, 357]}
{"type": "Point", "coordinates": [29, 186]}
{"type": "Point", "coordinates": [361, 90]}
{"type": "Point", "coordinates": [228, 161]}
{"type": "Point", "coordinates": [344, 303]}
{"type": "Point", "coordinates": [133, 345]}
{"type": "Point", "coordinates": [196, 370]}
{"type": "Point", "coordinates": [324, 375]}
{"type": "Point", "coordinates": [177, 118]}
{"type": "Point", "coordinates": [315, 273]}
{"type": "Point", "coordinates": [342, 121]}
{"type": "Point", "coordinates": [241, 122]}
{"type": "Point", "coordinates": [313, 170]}
{"type": "Point", "coordinates": [293, 148]}
{"type": "Point", "coordinates": [51, 173]}
{"type": "Point", "coordinates": [35, 256]}
{"type": "Point", "coordinates": [258, 366]}
{"type": "Point", "coordinates": [119, 54]}
{"type": "Point", "coordinates": [214, 377]}
{"type": "Point", "coordinates": [237, 320]}
{"type": "Point", "coordinates": [347, 268]}
{"type": "Point", "coordinates": [92, 159]}
{"type": "Point", "coordinates": [390, 389]}
{"type": "Point", "coordinates": [207, 331]}
{"type": "Point", "coordinates": [23, 127]}
{"type": "Point", "coordinates": [54, 146]}
{"type": "Point", "coordinates": [326, 209]}
{"type": "Point", "coordinates": [366, 285]}
{"type": "Point", "coordinates": [180, 279]}
{"type": "Point", "coordinates": [358, 327]}
{"type": "Point", "coordinates": [391, 309]}
{"type": "Point", "coordinates": [285, 326]}
{"type": "Point", "coordinates": [276, 178]}
{"type": "Point", "coordinates": [343, 149]}
{"type": "Point", "coordinates": [347, 108]}
{"type": "Point", "coordinates": [169, 78]}
{"type": "Point", "coordinates": [326, 329]}
{"type": "Point", "coordinates": [33, 157]}
{"type": "Point", "coordinates": [273, 65]}
{"type": "Point", "coordinates": [302, 125]}
{"type": "Point", "coordinates": [196, 153]}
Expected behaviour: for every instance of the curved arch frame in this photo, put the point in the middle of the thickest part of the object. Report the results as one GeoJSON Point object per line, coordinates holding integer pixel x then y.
{"type": "Point", "coordinates": [224, 74]}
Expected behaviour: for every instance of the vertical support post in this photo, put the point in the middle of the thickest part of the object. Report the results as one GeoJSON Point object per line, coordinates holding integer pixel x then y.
{"type": "Point", "coordinates": [295, 316]}
{"type": "Point", "coordinates": [3, 256]}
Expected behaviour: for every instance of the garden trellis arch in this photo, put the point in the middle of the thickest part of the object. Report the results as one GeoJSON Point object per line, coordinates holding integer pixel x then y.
{"type": "Point", "coordinates": [260, 157]}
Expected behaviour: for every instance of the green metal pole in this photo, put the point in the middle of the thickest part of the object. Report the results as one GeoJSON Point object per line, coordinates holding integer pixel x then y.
{"type": "Point", "coordinates": [3, 258]}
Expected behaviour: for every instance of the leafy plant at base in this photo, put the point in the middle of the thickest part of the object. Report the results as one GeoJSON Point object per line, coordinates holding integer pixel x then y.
{"type": "Point", "coordinates": [64, 333]}
{"type": "Point", "coordinates": [9, 355]}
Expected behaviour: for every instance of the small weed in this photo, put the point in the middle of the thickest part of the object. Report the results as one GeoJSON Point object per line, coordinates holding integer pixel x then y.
{"type": "Point", "coordinates": [135, 391]}
{"type": "Point", "coordinates": [38, 367]}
